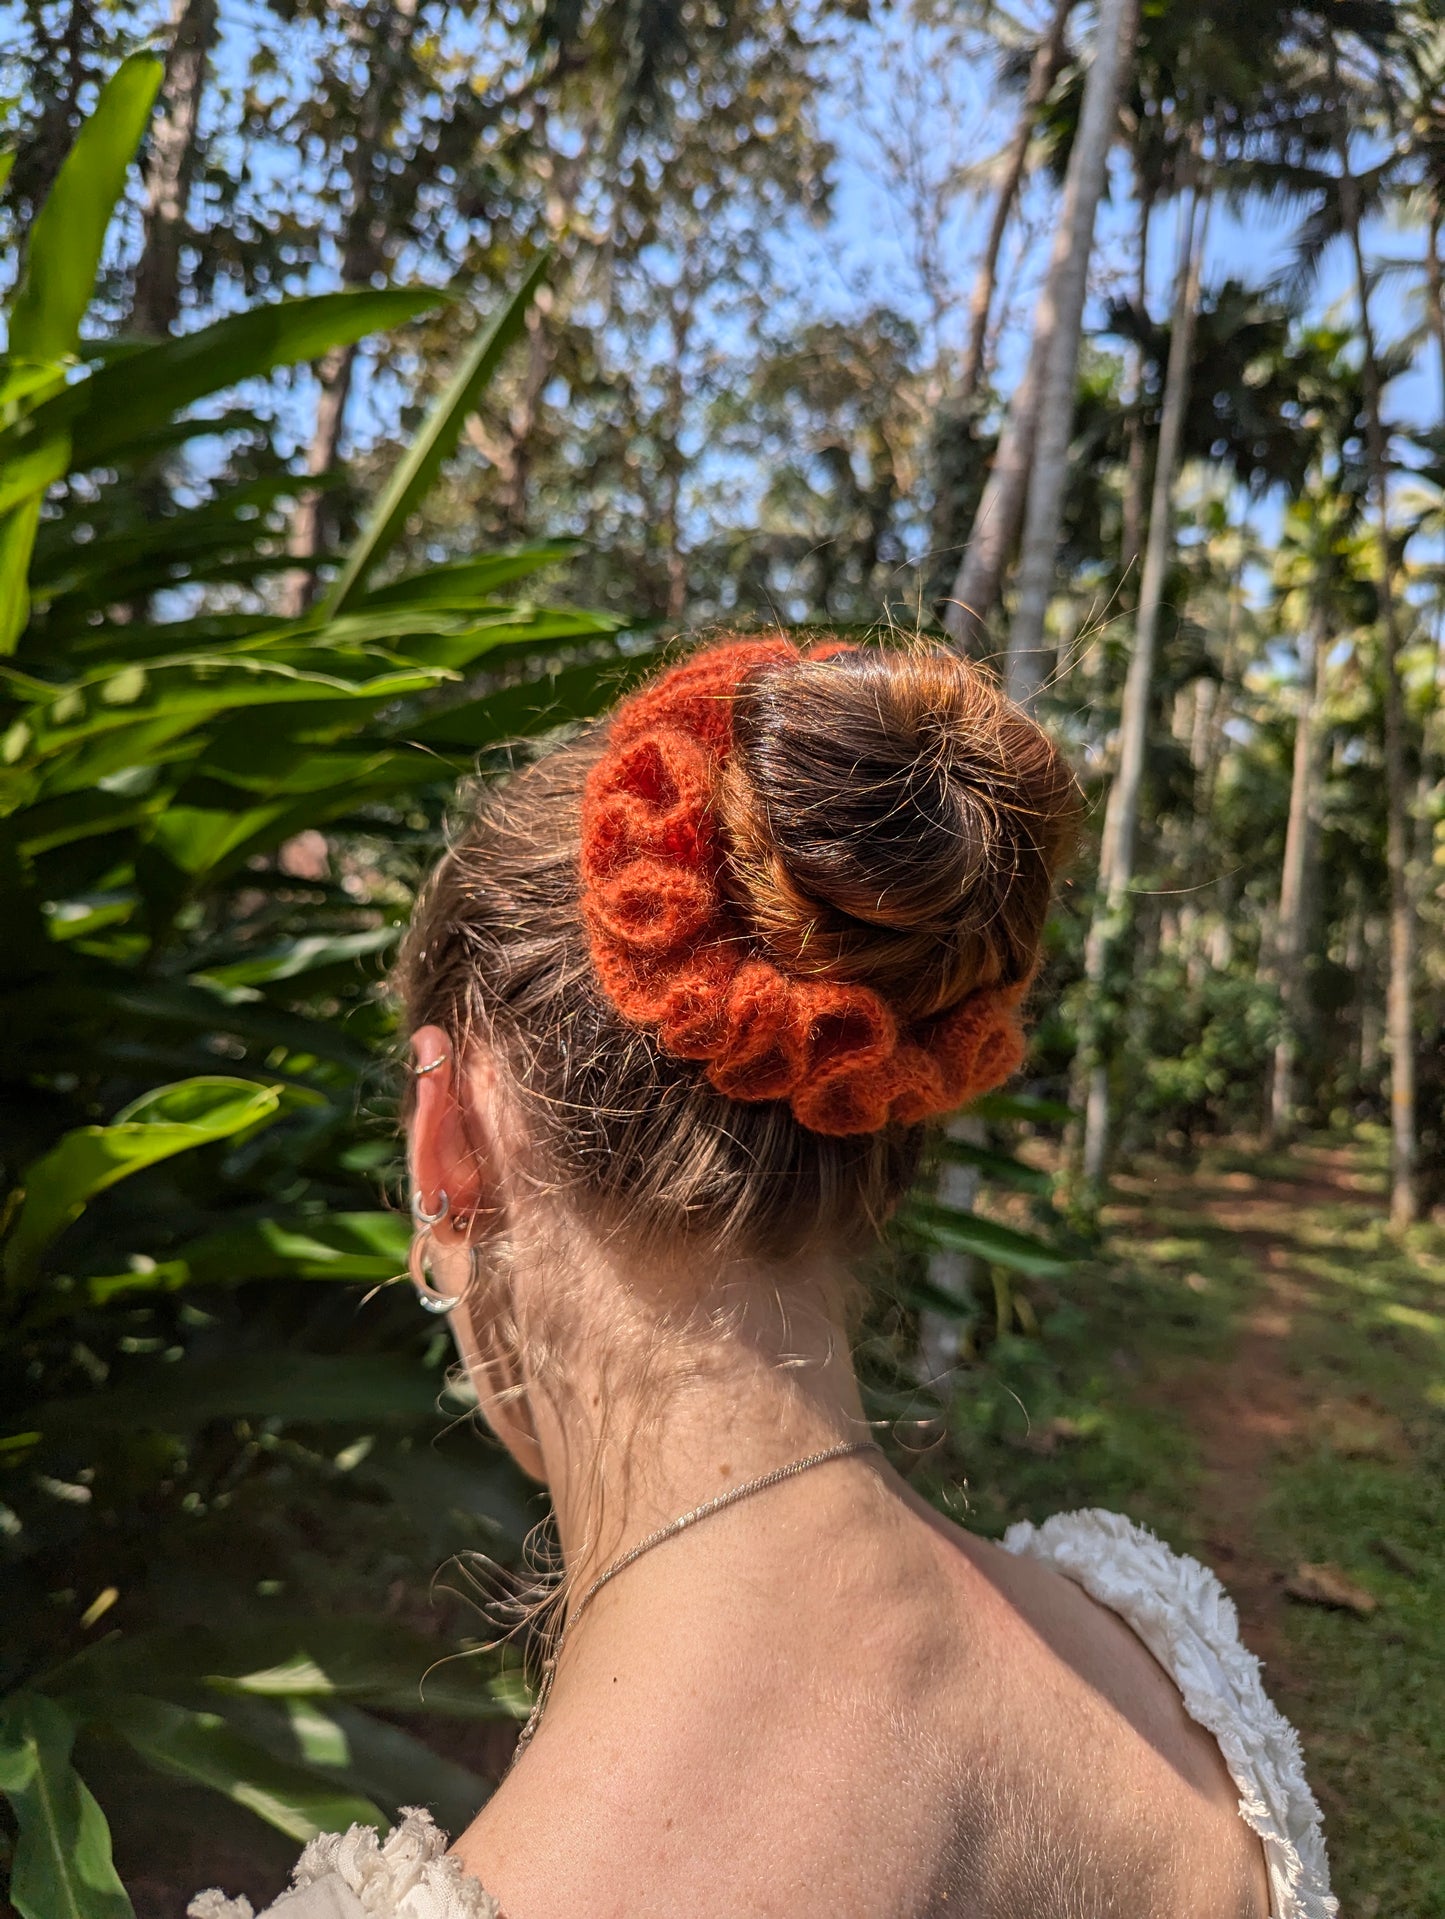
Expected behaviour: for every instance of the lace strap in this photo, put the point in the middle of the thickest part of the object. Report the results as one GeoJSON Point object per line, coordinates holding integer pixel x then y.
{"type": "Point", "coordinates": [1184, 1616]}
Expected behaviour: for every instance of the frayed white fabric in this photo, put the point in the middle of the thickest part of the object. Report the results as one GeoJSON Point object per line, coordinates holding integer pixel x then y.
{"type": "Point", "coordinates": [1187, 1620]}
{"type": "Point", "coordinates": [215, 1905]}
{"type": "Point", "coordinates": [356, 1875]}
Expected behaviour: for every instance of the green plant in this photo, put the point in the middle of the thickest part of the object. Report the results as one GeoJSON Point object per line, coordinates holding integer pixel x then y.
{"type": "Point", "coordinates": [962, 1289]}
{"type": "Point", "coordinates": [211, 817]}
{"type": "Point", "coordinates": [1205, 1050]}
{"type": "Point", "coordinates": [193, 1036]}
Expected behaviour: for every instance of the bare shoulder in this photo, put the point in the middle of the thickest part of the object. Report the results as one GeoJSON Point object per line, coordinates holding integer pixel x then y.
{"type": "Point", "coordinates": [930, 1727]}
{"type": "Point", "coordinates": [1104, 1761]}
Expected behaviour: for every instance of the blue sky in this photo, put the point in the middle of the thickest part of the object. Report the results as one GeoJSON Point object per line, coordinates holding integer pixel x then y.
{"type": "Point", "coordinates": [951, 109]}
{"type": "Point", "coordinates": [910, 109]}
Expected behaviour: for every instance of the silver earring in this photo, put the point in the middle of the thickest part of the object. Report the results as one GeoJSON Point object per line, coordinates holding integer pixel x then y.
{"type": "Point", "coordinates": [420, 1072]}
{"type": "Point", "coordinates": [420, 1215]}
{"type": "Point", "coordinates": [428, 1297]}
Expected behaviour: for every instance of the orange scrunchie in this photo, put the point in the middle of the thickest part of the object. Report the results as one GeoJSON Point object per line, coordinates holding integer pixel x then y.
{"type": "Point", "coordinates": [671, 953]}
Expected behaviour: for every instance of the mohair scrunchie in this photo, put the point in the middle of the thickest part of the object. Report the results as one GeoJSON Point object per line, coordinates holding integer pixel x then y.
{"type": "Point", "coordinates": [673, 955]}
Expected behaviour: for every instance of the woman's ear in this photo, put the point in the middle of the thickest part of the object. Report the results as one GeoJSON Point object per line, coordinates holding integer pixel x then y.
{"type": "Point", "coordinates": [456, 1150]}
{"type": "Point", "coordinates": [447, 1152]}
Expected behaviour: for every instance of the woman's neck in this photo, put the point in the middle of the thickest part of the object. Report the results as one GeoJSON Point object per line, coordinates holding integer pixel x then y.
{"type": "Point", "coordinates": [676, 1404]}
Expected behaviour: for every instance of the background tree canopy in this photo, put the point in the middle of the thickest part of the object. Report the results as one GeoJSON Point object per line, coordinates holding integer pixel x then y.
{"type": "Point", "coordinates": [384, 386]}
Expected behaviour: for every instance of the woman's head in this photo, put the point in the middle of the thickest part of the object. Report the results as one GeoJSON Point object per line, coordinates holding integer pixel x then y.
{"type": "Point", "coordinates": [878, 826]}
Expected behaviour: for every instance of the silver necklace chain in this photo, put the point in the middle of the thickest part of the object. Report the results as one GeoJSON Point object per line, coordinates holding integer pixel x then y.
{"type": "Point", "coordinates": [670, 1531]}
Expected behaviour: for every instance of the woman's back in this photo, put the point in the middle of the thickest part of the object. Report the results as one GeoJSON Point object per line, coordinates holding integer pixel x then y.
{"type": "Point", "coordinates": [919, 1724]}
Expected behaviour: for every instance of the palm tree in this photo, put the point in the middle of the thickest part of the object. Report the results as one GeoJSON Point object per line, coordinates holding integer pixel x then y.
{"type": "Point", "coordinates": [1371, 40]}
{"type": "Point", "coordinates": [1238, 107]}
{"type": "Point", "coordinates": [1311, 539]}
{"type": "Point", "coordinates": [363, 255]}
{"type": "Point", "coordinates": [1420, 117]}
{"type": "Point", "coordinates": [1047, 58]}
{"type": "Point", "coordinates": [1320, 575]}
{"type": "Point", "coordinates": [171, 162]}
{"type": "Point", "coordinates": [1048, 383]}
{"type": "Point", "coordinates": [1400, 1003]}
{"type": "Point", "coordinates": [1121, 817]}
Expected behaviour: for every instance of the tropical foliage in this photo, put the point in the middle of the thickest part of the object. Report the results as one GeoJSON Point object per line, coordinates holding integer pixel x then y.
{"type": "Point", "coordinates": [349, 351]}
{"type": "Point", "coordinates": [195, 1034]}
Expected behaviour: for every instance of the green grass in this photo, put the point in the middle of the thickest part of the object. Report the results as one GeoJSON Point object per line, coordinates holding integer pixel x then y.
{"type": "Point", "coordinates": [1110, 1406]}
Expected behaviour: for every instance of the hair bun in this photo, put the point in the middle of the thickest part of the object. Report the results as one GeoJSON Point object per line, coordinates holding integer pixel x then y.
{"type": "Point", "coordinates": [893, 818]}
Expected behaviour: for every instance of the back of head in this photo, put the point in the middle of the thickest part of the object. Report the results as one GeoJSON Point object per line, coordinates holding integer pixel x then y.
{"type": "Point", "coordinates": [895, 820]}
{"type": "Point", "coordinates": [880, 831]}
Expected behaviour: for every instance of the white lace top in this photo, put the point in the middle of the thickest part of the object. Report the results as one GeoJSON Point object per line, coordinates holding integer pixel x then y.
{"type": "Point", "coordinates": [1187, 1620]}
{"type": "Point", "coordinates": [1176, 1606]}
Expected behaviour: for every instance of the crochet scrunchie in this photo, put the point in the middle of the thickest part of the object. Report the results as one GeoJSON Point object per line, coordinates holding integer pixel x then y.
{"type": "Point", "coordinates": [672, 954]}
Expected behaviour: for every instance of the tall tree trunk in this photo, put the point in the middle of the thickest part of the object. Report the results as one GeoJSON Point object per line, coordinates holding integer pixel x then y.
{"type": "Point", "coordinates": [955, 1274]}
{"type": "Point", "coordinates": [1136, 481]}
{"type": "Point", "coordinates": [681, 319]}
{"type": "Point", "coordinates": [996, 521]}
{"type": "Point", "coordinates": [1053, 357]}
{"type": "Point", "coordinates": [1043, 70]}
{"type": "Point", "coordinates": [171, 166]}
{"type": "Point", "coordinates": [1296, 884]}
{"type": "Point", "coordinates": [1400, 995]}
{"type": "Point", "coordinates": [1121, 816]}
{"type": "Point", "coordinates": [363, 255]}
{"type": "Point", "coordinates": [515, 497]}
{"type": "Point", "coordinates": [1207, 747]}
{"type": "Point", "coordinates": [1435, 284]}
{"type": "Point", "coordinates": [63, 38]}
{"type": "Point", "coordinates": [308, 530]}
{"type": "Point", "coordinates": [1028, 659]}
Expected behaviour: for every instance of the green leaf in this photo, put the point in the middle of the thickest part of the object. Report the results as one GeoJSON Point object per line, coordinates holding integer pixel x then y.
{"type": "Point", "coordinates": [376, 1662]}
{"type": "Point", "coordinates": [395, 1768]}
{"type": "Point", "coordinates": [298, 956]}
{"type": "Point", "coordinates": [25, 380]}
{"type": "Point", "coordinates": [173, 1119]}
{"type": "Point", "coordinates": [962, 1232]}
{"type": "Point", "coordinates": [366, 1247]}
{"type": "Point", "coordinates": [1025, 1106]}
{"type": "Point", "coordinates": [924, 1293]}
{"type": "Point", "coordinates": [146, 389]}
{"type": "Point", "coordinates": [439, 433]}
{"type": "Point", "coordinates": [200, 685]}
{"type": "Point", "coordinates": [470, 581]}
{"type": "Point", "coordinates": [530, 707]}
{"type": "Point", "coordinates": [198, 840]}
{"type": "Point", "coordinates": [68, 236]}
{"type": "Point", "coordinates": [61, 1867]}
{"type": "Point", "coordinates": [1001, 1169]}
{"type": "Point", "coordinates": [303, 1388]}
{"type": "Point", "coordinates": [17, 537]}
{"type": "Point", "coordinates": [31, 473]}
{"type": "Point", "coordinates": [381, 1664]}
{"type": "Point", "coordinates": [367, 1754]}
{"type": "Point", "coordinates": [355, 1248]}
{"type": "Point", "coordinates": [179, 545]}
{"type": "Point", "coordinates": [433, 1485]}
{"type": "Point", "coordinates": [203, 1748]}
{"type": "Point", "coordinates": [195, 1009]}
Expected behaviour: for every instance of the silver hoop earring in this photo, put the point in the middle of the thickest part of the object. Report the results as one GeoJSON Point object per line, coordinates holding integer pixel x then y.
{"type": "Point", "coordinates": [420, 1215]}
{"type": "Point", "coordinates": [428, 1297]}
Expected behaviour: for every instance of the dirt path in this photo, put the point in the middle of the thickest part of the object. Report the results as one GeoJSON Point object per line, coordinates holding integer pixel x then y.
{"type": "Point", "coordinates": [1261, 1311]}
{"type": "Point", "coordinates": [1245, 1413]}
